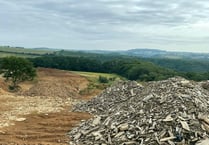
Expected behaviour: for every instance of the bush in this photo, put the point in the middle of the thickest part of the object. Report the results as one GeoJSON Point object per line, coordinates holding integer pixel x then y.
{"type": "Point", "coordinates": [103, 79]}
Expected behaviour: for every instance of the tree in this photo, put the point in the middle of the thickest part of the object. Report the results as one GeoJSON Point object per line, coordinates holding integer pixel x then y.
{"type": "Point", "coordinates": [16, 70]}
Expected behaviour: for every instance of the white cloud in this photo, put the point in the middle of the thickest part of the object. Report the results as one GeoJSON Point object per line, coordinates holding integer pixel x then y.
{"type": "Point", "coordinates": [111, 24]}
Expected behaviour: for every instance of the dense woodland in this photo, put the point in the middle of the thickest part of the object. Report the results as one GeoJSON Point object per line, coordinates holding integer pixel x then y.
{"type": "Point", "coordinates": [130, 67]}
{"type": "Point", "coordinates": [182, 65]}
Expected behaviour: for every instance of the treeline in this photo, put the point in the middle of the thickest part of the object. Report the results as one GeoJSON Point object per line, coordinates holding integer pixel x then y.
{"type": "Point", "coordinates": [177, 64]}
{"type": "Point", "coordinates": [182, 65]}
{"type": "Point", "coordinates": [68, 63]}
{"type": "Point", "coordinates": [133, 69]}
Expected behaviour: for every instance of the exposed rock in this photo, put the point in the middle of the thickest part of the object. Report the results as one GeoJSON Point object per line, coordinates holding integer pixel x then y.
{"type": "Point", "coordinates": [20, 119]}
{"type": "Point", "coordinates": [169, 112]}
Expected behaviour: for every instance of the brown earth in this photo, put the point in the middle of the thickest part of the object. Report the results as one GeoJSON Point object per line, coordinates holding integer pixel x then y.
{"type": "Point", "coordinates": [39, 112]}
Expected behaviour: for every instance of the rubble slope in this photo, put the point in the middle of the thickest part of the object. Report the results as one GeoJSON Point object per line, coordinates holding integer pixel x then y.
{"type": "Point", "coordinates": [169, 112]}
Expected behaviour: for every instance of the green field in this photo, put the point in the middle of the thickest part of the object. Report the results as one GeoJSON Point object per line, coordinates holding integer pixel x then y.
{"type": "Point", "coordinates": [22, 52]}
{"type": "Point", "coordinates": [94, 77]}
{"type": "Point", "coordinates": [94, 83]}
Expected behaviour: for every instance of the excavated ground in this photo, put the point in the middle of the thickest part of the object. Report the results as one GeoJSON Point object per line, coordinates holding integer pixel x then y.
{"type": "Point", "coordinates": [39, 112]}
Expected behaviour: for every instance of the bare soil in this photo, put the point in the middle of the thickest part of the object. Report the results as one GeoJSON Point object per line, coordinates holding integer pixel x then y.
{"type": "Point", "coordinates": [40, 112]}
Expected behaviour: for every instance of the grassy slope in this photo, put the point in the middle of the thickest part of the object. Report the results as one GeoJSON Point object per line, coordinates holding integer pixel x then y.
{"type": "Point", "coordinates": [93, 77]}
{"type": "Point", "coordinates": [94, 84]}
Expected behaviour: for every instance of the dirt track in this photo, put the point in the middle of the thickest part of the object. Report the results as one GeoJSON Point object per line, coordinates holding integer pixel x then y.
{"type": "Point", "coordinates": [39, 113]}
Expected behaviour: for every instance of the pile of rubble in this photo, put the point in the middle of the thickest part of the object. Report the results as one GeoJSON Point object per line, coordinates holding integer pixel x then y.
{"type": "Point", "coordinates": [49, 88]}
{"type": "Point", "coordinates": [169, 112]}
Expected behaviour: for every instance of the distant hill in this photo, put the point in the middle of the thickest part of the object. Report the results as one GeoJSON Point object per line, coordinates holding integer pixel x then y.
{"type": "Point", "coordinates": [151, 53]}
{"type": "Point", "coordinates": [157, 53]}
{"type": "Point", "coordinates": [46, 48]}
{"type": "Point", "coordinates": [146, 52]}
{"type": "Point", "coordinates": [178, 61]}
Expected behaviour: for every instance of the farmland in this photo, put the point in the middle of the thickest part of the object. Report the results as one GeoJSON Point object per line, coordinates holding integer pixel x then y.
{"type": "Point", "coordinates": [22, 52]}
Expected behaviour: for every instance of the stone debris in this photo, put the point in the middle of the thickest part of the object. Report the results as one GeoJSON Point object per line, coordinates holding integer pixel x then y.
{"type": "Point", "coordinates": [204, 142]}
{"type": "Point", "coordinates": [169, 112]}
{"type": "Point", "coordinates": [53, 89]}
{"type": "Point", "coordinates": [20, 119]}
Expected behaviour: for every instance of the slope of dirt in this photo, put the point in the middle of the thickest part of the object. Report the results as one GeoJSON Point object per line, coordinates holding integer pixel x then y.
{"type": "Point", "coordinates": [38, 113]}
{"type": "Point", "coordinates": [42, 129]}
{"type": "Point", "coordinates": [55, 83]}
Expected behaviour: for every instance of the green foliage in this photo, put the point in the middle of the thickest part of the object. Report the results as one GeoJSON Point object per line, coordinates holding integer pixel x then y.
{"type": "Point", "coordinates": [177, 62]}
{"type": "Point", "coordinates": [182, 65]}
{"type": "Point", "coordinates": [103, 79]}
{"type": "Point", "coordinates": [94, 84]}
{"type": "Point", "coordinates": [130, 68]}
{"type": "Point", "coordinates": [134, 69]}
{"type": "Point", "coordinates": [68, 63]}
{"type": "Point", "coordinates": [16, 70]}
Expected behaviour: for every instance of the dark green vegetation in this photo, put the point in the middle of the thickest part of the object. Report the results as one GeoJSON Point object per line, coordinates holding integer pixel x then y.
{"type": "Point", "coordinates": [16, 70]}
{"type": "Point", "coordinates": [181, 62]}
{"type": "Point", "coordinates": [103, 79]}
{"type": "Point", "coordinates": [130, 65]}
{"type": "Point", "coordinates": [132, 69]}
{"type": "Point", "coordinates": [182, 65]}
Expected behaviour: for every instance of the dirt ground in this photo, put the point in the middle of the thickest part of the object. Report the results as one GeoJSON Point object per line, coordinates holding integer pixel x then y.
{"type": "Point", "coordinates": [40, 112]}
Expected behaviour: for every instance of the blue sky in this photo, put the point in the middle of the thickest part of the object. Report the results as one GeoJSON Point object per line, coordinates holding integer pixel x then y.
{"type": "Point", "coordinates": [173, 25]}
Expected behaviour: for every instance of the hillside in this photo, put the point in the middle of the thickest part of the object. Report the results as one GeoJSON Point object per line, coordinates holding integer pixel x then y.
{"type": "Point", "coordinates": [193, 66]}
{"type": "Point", "coordinates": [39, 113]}
{"type": "Point", "coordinates": [157, 53]}
{"type": "Point", "coordinates": [42, 106]}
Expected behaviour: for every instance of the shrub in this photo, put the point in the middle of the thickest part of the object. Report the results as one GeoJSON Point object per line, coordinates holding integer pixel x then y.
{"type": "Point", "coordinates": [103, 79]}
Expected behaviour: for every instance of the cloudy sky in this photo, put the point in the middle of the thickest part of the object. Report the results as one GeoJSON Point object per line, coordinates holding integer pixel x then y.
{"type": "Point", "coordinates": [174, 25]}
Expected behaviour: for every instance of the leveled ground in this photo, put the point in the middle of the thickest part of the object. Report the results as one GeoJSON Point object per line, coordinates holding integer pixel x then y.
{"type": "Point", "coordinates": [39, 112]}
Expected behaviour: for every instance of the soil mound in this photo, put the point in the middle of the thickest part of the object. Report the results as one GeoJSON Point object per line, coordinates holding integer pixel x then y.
{"type": "Point", "coordinates": [56, 83]}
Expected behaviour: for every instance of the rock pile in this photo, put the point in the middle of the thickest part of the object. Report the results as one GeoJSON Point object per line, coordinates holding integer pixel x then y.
{"type": "Point", "coordinates": [169, 112]}
{"type": "Point", "coordinates": [49, 88]}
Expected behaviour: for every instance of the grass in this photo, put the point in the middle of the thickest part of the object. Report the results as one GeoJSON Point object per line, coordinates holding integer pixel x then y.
{"type": "Point", "coordinates": [5, 54]}
{"type": "Point", "coordinates": [94, 77]}
{"type": "Point", "coordinates": [94, 83]}
{"type": "Point", "coordinates": [21, 52]}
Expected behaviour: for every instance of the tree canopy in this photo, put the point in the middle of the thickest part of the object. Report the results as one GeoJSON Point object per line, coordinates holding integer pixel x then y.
{"type": "Point", "coordinates": [130, 68]}
{"type": "Point", "coordinates": [16, 70]}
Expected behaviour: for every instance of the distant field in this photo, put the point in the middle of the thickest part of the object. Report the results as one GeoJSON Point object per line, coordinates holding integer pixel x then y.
{"type": "Point", "coordinates": [94, 84]}
{"type": "Point", "coordinates": [22, 52]}
{"type": "Point", "coordinates": [94, 76]}
{"type": "Point", "coordinates": [5, 54]}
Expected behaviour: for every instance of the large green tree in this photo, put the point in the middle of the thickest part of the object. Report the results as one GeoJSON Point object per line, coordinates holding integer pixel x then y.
{"type": "Point", "coordinates": [16, 70]}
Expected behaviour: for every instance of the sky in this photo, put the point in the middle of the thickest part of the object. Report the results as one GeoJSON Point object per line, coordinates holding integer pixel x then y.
{"type": "Point", "coordinates": [172, 25]}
